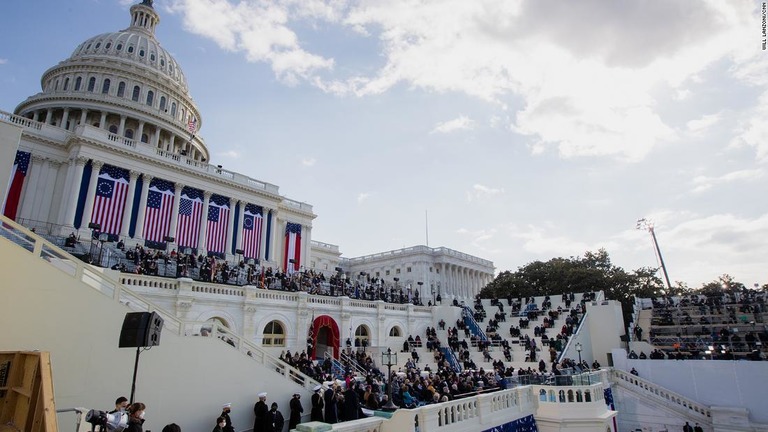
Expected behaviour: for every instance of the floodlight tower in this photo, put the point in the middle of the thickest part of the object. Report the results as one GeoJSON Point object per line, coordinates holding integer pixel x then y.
{"type": "Point", "coordinates": [645, 224]}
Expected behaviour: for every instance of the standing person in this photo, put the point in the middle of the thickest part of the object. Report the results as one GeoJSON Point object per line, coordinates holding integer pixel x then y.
{"type": "Point", "coordinates": [225, 410]}
{"type": "Point", "coordinates": [687, 427]}
{"type": "Point", "coordinates": [263, 421]}
{"type": "Point", "coordinates": [136, 417]}
{"type": "Point", "coordinates": [698, 428]}
{"type": "Point", "coordinates": [331, 415]}
{"type": "Point", "coordinates": [220, 425]}
{"type": "Point", "coordinates": [121, 404]}
{"type": "Point", "coordinates": [351, 404]}
{"type": "Point", "coordinates": [276, 417]}
{"type": "Point", "coordinates": [317, 404]}
{"type": "Point", "coordinates": [296, 411]}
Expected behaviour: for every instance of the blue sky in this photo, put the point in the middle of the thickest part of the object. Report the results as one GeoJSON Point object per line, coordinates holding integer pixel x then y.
{"type": "Point", "coordinates": [527, 130]}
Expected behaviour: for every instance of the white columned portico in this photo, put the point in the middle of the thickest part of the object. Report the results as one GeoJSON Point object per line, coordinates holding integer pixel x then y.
{"type": "Point", "coordinates": [128, 209]}
{"type": "Point", "coordinates": [146, 180]}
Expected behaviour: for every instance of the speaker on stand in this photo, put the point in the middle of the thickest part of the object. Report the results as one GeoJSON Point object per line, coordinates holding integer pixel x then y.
{"type": "Point", "coordinates": [140, 330]}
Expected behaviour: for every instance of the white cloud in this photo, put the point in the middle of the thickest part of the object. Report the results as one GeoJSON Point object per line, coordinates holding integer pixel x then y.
{"type": "Point", "coordinates": [260, 30]}
{"type": "Point", "coordinates": [459, 123]}
{"type": "Point", "coordinates": [704, 183]}
{"type": "Point", "coordinates": [701, 125]}
{"type": "Point", "coordinates": [3, 61]}
{"type": "Point", "coordinates": [229, 154]}
{"type": "Point", "coordinates": [480, 192]}
{"type": "Point", "coordinates": [752, 131]}
{"type": "Point", "coordinates": [362, 196]}
{"type": "Point", "coordinates": [308, 162]}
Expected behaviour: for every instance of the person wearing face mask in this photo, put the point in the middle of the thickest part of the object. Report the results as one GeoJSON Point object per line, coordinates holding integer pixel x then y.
{"type": "Point", "coordinates": [121, 404]}
{"type": "Point", "coordinates": [136, 417]}
{"type": "Point", "coordinates": [220, 425]}
{"type": "Point", "coordinates": [277, 418]}
{"type": "Point", "coordinates": [225, 410]}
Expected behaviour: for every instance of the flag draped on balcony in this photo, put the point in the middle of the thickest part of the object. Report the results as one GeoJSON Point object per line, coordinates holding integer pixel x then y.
{"type": "Point", "coordinates": [18, 174]}
{"type": "Point", "coordinates": [190, 210]}
{"type": "Point", "coordinates": [109, 202]}
{"type": "Point", "coordinates": [252, 227]}
{"type": "Point", "coordinates": [218, 224]}
{"type": "Point", "coordinates": [157, 220]}
{"type": "Point", "coordinates": [292, 247]}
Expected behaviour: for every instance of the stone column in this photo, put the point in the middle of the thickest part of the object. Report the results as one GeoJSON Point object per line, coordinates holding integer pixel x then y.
{"type": "Point", "coordinates": [48, 116]}
{"type": "Point", "coordinates": [175, 212]}
{"type": "Point", "coordinates": [230, 227]}
{"type": "Point", "coordinates": [91, 195]}
{"type": "Point", "coordinates": [30, 192]}
{"type": "Point", "coordinates": [102, 121]}
{"type": "Point", "coordinates": [241, 216]}
{"type": "Point", "coordinates": [74, 189]}
{"type": "Point", "coordinates": [51, 171]}
{"type": "Point", "coordinates": [139, 131]}
{"type": "Point", "coordinates": [204, 222]}
{"type": "Point", "coordinates": [36, 115]}
{"type": "Point", "coordinates": [65, 118]}
{"type": "Point", "coordinates": [121, 128]}
{"type": "Point", "coordinates": [156, 137]}
{"type": "Point", "coordinates": [146, 180]}
{"type": "Point", "coordinates": [306, 234]}
{"type": "Point", "coordinates": [128, 209]}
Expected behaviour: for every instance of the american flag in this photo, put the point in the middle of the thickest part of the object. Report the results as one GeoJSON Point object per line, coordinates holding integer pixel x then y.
{"type": "Point", "coordinates": [218, 224]}
{"type": "Point", "coordinates": [252, 223]}
{"type": "Point", "coordinates": [292, 247]}
{"type": "Point", "coordinates": [190, 210]}
{"type": "Point", "coordinates": [18, 174]}
{"type": "Point", "coordinates": [111, 192]}
{"type": "Point", "coordinates": [192, 125]}
{"type": "Point", "coordinates": [157, 220]}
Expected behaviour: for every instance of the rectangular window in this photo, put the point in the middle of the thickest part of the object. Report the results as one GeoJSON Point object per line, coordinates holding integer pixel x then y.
{"type": "Point", "coordinates": [377, 274]}
{"type": "Point", "coordinates": [397, 271]}
{"type": "Point", "coordinates": [386, 273]}
{"type": "Point", "coordinates": [408, 269]}
{"type": "Point", "coordinates": [430, 269]}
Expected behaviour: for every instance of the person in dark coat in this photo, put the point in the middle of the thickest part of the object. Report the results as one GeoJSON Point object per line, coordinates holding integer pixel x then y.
{"type": "Point", "coordinates": [296, 411]}
{"type": "Point", "coordinates": [276, 417]}
{"type": "Point", "coordinates": [263, 421]}
{"type": "Point", "coordinates": [329, 397]}
{"type": "Point", "coordinates": [351, 404]}
{"type": "Point", "coordinates": [136, 417]}
{"type": "Point", "coordinates": [225, 409]}
{"type": "Point", "coordinates": [317, 405]}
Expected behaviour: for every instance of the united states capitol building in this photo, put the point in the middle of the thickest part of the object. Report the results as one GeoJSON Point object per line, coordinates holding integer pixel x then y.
{"type": "Point", "coordinates": [112, 205]}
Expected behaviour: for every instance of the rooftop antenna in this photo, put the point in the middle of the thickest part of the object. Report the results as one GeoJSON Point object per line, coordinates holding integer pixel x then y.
{"type": "Point", "coordinates": [646, 224]}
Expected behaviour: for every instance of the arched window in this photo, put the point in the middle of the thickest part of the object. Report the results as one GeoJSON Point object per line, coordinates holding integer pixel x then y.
{"type": "Point", "coordinates": [113, 129]}
{"type": "Point", "coordinates": [66, 84]}
{"type": "Point", "coordinates": [173, 109]}
{"type": "Point", "coordinates": [91, 84]}
{"type": "Point", "coordinates": [108, 45]}
{"type": "Point", "coordinates": [105, 86]}
{"type": "Point", "coordinates": [144, 138]}
{"type": "Point", "coordinates": [587, 396]}
{"type": "Point", "coordinates": [361, 334]}
{"type": "Point", "coordinates": [395, 332]}
{"type": "Point", "coordinates": [162, 103]}
{"type": "Point", "coordinates": [136, 92]}
{"type": "Point", "coordinates": [150, 97]}
{"type": "Point", "coordinates": [129, 133]}
{"type": "Point", "coordinates": [130, 50]}
{"type": "Point", "coordinates": [561, 395]}
{"type": "Point", "coordinates": [570, 396]}
{"type": "Point", "coordinates": [78, 83]}
{"type": "Point", "coordinates": [119, 47]}
{"type": "Point", "coordinates": [56, 86]}
{"type": "Point", "coordinates": [274, 335]}
{"type": "Point", "coordinates": [543, 395]}
{"type": "Point", "coordinates": [579, 397]}
{"type": "Point", "coordinates": [121, 89]}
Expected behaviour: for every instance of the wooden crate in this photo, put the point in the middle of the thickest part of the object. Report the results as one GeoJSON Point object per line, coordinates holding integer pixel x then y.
{"type": "Point", "coordinates": [26, 392]}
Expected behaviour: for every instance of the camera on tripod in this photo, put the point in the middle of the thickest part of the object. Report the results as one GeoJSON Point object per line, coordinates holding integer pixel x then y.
{"type": "Point", "coordinates": [106, 421]}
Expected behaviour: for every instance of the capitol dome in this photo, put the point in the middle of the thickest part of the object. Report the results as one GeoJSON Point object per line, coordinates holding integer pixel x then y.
{"type": "Point", "coordinates": [127, 83]}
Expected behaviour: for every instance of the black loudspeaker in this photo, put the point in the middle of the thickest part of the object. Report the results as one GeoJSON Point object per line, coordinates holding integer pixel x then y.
{"type": "Point", "coordinates": [141, 329]}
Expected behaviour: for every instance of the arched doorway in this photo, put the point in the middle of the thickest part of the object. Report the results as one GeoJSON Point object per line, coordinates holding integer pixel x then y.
{"type": "Point", "coordinates": [325, 336]}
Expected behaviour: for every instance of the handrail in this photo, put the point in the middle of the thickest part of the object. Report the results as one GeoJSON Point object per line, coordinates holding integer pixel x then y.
{"type": "Point", "coordinates": [344, 356]}
{"type": "Point", "coordinates": [474, 327]}
{"type": "Point", "coordinates": [450, 355]}
{"type": "Point", "coordinates": [116, 290]}
{"type": "Point", "coordinates": [669, 398]}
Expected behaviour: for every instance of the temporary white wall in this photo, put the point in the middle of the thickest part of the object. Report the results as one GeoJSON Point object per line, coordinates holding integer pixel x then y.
{"type": "Point", "coordinates": [183, 380]}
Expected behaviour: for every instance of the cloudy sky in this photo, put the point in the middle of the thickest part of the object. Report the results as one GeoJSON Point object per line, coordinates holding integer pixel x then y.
{"type": "Point", "coordinates": [521, 130]}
